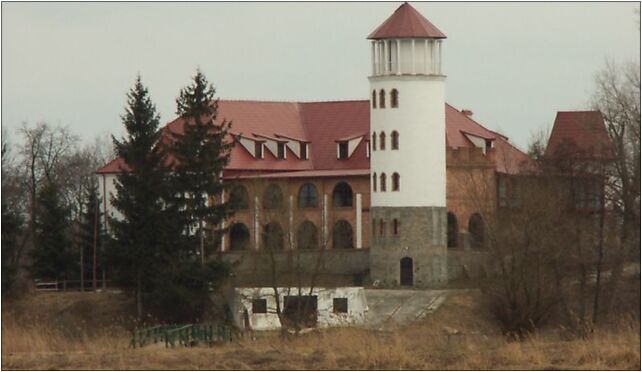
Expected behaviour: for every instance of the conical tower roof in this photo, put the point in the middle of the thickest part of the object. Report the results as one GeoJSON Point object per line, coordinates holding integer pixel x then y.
{"type": "Point", "coordinates": [406, 22]}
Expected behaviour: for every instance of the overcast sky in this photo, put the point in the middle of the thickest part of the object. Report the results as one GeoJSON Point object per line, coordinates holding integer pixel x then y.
{"type": "Point", "coordinates": [514, 65]}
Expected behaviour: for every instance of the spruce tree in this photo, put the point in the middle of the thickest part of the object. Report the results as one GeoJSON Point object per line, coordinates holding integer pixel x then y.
{"type": "Point", "coordinates": [201, 153]}
{"type": "Point", "coordinates": [142, 248]}
{"type": "Point", "coordinates": [12, 224]}
{"type": "Point", "coordinates": [91, 227]}
{"type": "Point", "coordinates": [51, 256]}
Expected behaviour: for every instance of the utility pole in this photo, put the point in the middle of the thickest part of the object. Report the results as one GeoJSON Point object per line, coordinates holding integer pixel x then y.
{"type": "Point", "coordinates": [95, 243]}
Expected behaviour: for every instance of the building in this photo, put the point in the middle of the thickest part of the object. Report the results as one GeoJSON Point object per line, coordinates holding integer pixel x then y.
{"type": "Point", "coordinates": [380, 184]}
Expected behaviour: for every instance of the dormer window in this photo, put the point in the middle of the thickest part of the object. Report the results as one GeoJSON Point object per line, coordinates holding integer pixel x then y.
{"type": "Point", "coordinates": [303, 150]}
{"type": "Point", "coordinates": [342, 150]}
{"type": "Point", "coordinates": [280, 150]}
{"type": "Point", "coordinates": [258, 150]}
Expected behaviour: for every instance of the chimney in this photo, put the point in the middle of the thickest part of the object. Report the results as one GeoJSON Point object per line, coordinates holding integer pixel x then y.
{"type": "Point", "coordinates": [467, 112]}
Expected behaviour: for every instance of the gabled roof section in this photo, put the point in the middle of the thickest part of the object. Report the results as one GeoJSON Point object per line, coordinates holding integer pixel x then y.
{"type": "Point", "coordinates": [322, 124]}
{"type": "Point", "coordinates": [579, 133]}
{"type": "Point", "coordinates": [406, 22]}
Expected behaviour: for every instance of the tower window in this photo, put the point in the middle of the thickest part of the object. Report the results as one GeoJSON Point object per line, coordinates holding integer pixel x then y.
{"type": "Point", "coordinates": [382, 141]}
{"type": "Point", "coordinates": [395, 227]}
{"type": "Point", "coordinates": [343, 150]}
{"type": "Point", "coordinates": [394, 140]}
{"type": "Point", "coordinates": [382, 98]}
{"type": "Point", "coordinates": [394, 98]}
{"type": "Point", "coordinates": [383, 182]}
{"type": "Point", "coordinates": [258, 150]}
{"type": "Point", "coordinates": [374, 141]}
{"type": "Point", "coordinates": [395, 181]}
{"type": "Point", "coordinates": [280, 150]}
{"type": "Point", "coordinates": [374, 181]}
{"type": "Point", "coordinates": [374, 99]}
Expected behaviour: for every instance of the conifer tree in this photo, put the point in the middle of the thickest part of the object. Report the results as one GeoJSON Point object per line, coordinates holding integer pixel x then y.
{"type": "Point", "coordinates": [142, 248]}
{"type": "Point", "coordinates": [201, 152]}
{"type": "Point", "coordinates": [51, 256]}
{"type": "Point", "coordinates": [91, 227]}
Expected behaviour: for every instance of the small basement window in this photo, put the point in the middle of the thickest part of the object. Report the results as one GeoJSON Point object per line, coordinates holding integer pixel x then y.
{"type": "Point", "coordinates": [343, 150]}
{"type": "Point", "coordinates": [340, 305]}
{"type": "Point", "coordinates": [259, 306]}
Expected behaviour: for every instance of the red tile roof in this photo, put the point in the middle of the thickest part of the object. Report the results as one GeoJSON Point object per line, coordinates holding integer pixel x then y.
{"type": "Point", "coordinates": [406, 22]}
{"type": "Point", "coordinates": [580, 133]}
{"type": "Point", "coordinates": [322, 124]}
{"type": "Point", "coordinates": [305, 174]}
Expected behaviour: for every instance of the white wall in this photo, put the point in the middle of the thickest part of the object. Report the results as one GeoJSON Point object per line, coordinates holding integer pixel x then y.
{"type": "Point", "coordinates": [357, 306]}
{"type": "Point", "coordinates": [107, 188]}
{"type": "Point", "coordinates": [421, 158]}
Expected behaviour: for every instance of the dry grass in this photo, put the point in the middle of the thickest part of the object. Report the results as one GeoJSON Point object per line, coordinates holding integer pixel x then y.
{"type": "Point", "coordinates": [38, 342]}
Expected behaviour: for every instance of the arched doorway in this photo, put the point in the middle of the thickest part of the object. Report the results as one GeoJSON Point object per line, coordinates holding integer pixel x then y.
{"type": "Point", "coordinates": [406, 272]}
{"type": "Point", "coordinates": [476, 231]}
{"type": "Point", "coordinates": [342, 235]}
{"type": "Point", "coordinates": [239, 237]}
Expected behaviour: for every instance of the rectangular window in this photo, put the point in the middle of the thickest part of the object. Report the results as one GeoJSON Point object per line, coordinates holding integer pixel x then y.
{"type": "Point", "coordinates": [259, 306]}
{"type": "Point", "coordinates": [343, 150]}
{"type": "Point", "coordinates": [304, 150]}
{"type": "Point", "coordinates": [395, 227]}
{"type": "Point", "coordinates": [280, 149]}
{"type": "Point", "coordinates": [258, 150]}
{"type": "Point", "coordinates": [340, 305]}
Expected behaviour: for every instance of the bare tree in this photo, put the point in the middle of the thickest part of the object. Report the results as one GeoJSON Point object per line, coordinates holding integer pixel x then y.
{"type": "Point", "coordinates": [42, 153]}
{"type": "Point", "coordinates": [617, 96]}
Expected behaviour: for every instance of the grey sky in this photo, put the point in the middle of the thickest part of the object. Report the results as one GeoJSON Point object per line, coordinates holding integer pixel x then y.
{"type": "Point", "coordinates": [513, 64]}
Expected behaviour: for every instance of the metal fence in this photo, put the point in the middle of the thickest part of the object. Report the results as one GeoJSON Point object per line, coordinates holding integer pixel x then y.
{"type": "Point", "coordinates": [181, 334]}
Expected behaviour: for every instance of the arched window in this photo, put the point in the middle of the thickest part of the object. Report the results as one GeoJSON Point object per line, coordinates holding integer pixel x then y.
{"type": "Point", "coordinates": [307, 237]}
{"type": "Point", "coordinates": [342, 195]}
{"type": "Point", "coordinates": [374, 99]}
{"type": "Point", "coordinates": [382, 227]}
{"type": "Point", "coordinates": [382, 178]}
{"type": "Point", "coordinates": [394, 140]}
{"type": "Point", "coordinates": [239, 197]}
{"type": "Point", "coordinates": [342, 235]}
{"type": "Point", "coordinates": [273, 237]}
{"type": "Point", "coordinates": [374, 141]}
{"type": "Point", "coordinates": [308, 196]}
{"type": "Point", "coordinates": [374, 181]}
{"type": "Point", "coordinates": [395, 181]}
{"type": "Point", "coordinates": [476, 231]}
{"type": "Point", "coordinates": [382, 141]}
{"type": "Point", "coordinates": [382, 98]}
{"type": "Point", "coordinates": [273, 197]}
{"type": "Point", "coordinates": [394, 98]}
{"type": "Point", "coordinates": [452, 230]}
{"type": "Point", "coordinates": [239, 237]}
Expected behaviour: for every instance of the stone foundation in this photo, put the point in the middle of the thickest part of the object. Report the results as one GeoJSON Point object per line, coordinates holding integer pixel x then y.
{"type": "Point", "coordinates": [421, 236]}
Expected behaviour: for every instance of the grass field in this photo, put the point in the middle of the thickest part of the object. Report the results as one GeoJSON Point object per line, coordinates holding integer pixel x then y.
{"type": "Point", "coordinates": [89, 331]}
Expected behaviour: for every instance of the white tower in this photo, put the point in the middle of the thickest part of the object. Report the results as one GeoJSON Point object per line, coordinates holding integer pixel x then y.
{"type": "Point", "coordinates": [408, 152]}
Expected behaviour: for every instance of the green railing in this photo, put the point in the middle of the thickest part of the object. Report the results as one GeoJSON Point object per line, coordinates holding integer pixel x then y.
{"type": "Point", "coordinates": [181, 334]}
